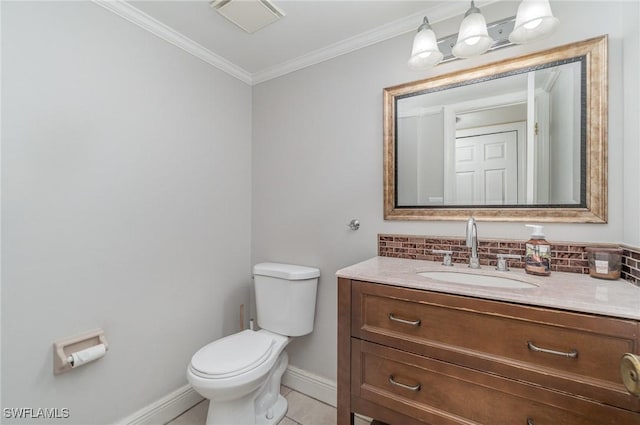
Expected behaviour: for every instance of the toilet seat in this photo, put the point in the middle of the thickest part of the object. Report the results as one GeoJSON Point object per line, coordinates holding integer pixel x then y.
{"type": "Point", "coordinates": [232, 355]}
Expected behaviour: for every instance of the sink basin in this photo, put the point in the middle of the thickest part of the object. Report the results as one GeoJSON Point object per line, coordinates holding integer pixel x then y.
{"type": "Point", "coordinates": [476, 279]}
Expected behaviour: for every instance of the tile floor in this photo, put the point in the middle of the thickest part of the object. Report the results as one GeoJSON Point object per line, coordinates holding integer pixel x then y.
{"type": "Point", "coordinates": [303, 410]}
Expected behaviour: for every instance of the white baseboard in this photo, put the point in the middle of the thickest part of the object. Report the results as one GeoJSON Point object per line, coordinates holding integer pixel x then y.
{"type": "Point", "coordinates": [165, 409]}
{"type": "Point", "coordinates": [307, 383]}
{"type": "Point", "coordinates": [184, 398]}
{"type": "Point", "coordinates": [315, 386]}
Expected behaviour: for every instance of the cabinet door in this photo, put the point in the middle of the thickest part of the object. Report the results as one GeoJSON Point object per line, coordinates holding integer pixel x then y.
{"type": "Point", "coordinates": [576, 353]}
{"type": "Point", "coordinates": [440, 393]}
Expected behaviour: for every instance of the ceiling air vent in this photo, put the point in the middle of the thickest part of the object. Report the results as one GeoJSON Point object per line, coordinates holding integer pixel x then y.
{"type": "Point", "coordinates": [250, 15]}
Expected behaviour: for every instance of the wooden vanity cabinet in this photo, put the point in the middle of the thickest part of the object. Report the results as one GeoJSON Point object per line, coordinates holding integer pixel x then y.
{"type": "Point", "coordinates": [409, 356]}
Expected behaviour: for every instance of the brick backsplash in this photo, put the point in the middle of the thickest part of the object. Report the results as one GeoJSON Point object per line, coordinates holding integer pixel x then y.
{"type": "Point", "coordinates": [565, 257]}
{"type": "Point", "coordinates": [631, 264]}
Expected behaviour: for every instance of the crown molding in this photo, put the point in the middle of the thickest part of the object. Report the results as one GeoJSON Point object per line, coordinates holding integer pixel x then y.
{"type": "Point", "coordinates": [368, 38]}
{"type": "Point", "coordinates": [157, 28]}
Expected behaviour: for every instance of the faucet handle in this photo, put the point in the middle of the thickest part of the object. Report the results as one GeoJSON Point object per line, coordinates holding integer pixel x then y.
{"type": "Point", "coordinates": [502, 265]}
{"type": "Point", "coordinates": [446, 260]}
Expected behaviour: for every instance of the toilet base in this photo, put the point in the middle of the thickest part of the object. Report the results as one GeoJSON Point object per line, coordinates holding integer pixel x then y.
{"type": "Point", "coordinates": [278, 411]}
{"type": "Point", "coordinates": [263, 406]}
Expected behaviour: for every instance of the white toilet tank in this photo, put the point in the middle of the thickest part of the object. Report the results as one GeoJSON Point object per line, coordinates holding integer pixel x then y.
{"type": "Point", "coordinates": [285, 297]}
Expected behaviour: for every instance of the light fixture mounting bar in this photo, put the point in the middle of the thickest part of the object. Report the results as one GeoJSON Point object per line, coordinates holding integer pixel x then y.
{"type": "Point", "coordinates": [499, 31]}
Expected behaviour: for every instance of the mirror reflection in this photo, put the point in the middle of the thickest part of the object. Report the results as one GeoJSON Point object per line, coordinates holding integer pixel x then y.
{"type": "Point", "coordinates": [512, 139]}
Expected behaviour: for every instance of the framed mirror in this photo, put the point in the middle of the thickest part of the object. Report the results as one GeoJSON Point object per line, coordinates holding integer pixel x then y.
{"type": "Point", "coordinates": [524, 139]}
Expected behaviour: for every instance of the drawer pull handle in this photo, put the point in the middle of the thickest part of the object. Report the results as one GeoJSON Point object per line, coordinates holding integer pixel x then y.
{"type": "Point", "coordinates": [571, 354]}
{"type": "Point", "coordinates": [529, 421]}
{"type": "Point", "coordinates": [406, 322]}
{"type": "Point", "coordinates": [406, 387]}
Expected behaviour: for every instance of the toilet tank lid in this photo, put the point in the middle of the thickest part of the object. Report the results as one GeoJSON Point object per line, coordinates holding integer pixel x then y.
{"type": "Point", "coordinates": [285, 271]}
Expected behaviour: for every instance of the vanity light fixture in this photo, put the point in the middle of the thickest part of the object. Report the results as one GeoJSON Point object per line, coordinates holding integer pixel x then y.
{"type": "Point", "coordinates": [534, 21]}
{"type": "Point", "coordinates": [473, 38]}
{"type": "Point", "coordinates": [425, 52]}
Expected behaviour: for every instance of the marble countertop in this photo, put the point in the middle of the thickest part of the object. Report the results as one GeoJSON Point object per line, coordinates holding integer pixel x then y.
{"type": "Point", "coordinates": [567, 291]}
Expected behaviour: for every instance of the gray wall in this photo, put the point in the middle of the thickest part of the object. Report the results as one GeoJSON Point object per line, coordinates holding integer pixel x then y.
{"type": "Point", "coordinates": [127, 190]}
{"type": "Point", "coordinates": [407, 153]}
{"type": "Point", "coordinates": [564, 131]}
{"type": "Point", "coordinates": [631, 123]}
{"type": "Point", "coordinates": [317, 158]}
{"type": "Point", "coordinates": [421, 159]}
{"type": "Point", "coordinates": [126, 173]}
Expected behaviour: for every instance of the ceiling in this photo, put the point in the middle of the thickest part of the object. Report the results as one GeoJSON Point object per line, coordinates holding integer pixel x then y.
{"type": "Point", "coordinates": [311, 30]}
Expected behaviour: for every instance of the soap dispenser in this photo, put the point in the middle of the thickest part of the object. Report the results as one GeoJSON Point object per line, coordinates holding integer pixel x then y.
{"type": "Point", "coordinates": [538, 253]}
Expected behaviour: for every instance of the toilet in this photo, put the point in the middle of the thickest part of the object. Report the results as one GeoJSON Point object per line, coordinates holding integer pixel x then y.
{"type": "Point", "coordinates": [240, 374]}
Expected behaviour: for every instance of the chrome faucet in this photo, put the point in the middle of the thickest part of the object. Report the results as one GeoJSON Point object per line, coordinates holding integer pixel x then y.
{"type": "Point", "coordinates": [472, 242]}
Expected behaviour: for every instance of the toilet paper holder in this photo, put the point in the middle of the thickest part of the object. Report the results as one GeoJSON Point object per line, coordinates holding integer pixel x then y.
{"type": "Point", "coordinates": [66, 347]}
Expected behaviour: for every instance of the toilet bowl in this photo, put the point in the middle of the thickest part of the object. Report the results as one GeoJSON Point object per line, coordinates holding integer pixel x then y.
{"type": "Point", "coordinates": [240, 374]}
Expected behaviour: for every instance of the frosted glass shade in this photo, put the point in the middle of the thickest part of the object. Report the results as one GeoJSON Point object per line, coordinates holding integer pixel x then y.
{"type": "Point", "coordinates": [534, 21]}
{"type": "Point", "coordinates": [425, 52]}
{"type": "Point", "coordinates": [473, 38]}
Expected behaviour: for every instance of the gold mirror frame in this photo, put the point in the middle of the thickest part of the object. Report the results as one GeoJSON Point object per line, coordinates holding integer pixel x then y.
{"type": "Point", "coordinates": [595, 52]}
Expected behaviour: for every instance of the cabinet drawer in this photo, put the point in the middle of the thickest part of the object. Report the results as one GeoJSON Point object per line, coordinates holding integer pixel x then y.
{"type": "Point", "coordinates": [440, 393]}
{"type": "Point", "coordinates": [577, 353]}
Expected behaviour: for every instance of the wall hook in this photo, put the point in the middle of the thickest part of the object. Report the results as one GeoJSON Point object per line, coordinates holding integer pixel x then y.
{"type": "Point", "coordinates": [354, 224]}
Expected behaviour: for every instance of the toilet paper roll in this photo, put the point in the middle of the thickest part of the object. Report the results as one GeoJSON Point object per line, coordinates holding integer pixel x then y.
{"type": "Point", "coordinates": [87, 355]}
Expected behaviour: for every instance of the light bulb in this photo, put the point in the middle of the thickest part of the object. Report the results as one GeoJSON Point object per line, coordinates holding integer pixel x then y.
{"type": "Point", "coordinates": [472, 41]}
{"type": "Point", "coordinates": [531, 25]}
